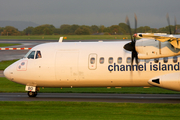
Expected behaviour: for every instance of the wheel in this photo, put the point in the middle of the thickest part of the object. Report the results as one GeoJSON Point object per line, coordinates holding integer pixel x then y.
{"type": "Point", "coordinates": [32, 94]}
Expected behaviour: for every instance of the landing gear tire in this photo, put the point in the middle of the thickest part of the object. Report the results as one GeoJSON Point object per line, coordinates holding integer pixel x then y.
{"type": "Point", "coordinates": [32, 94]}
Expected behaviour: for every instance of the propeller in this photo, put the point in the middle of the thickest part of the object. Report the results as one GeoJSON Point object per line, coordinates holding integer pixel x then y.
{"type": "Point", "coordinates": [175, 25]}
{"type": "Point", "coordinates": [131, 46]}
{"type": "Point", "coordinates": [167, 16]}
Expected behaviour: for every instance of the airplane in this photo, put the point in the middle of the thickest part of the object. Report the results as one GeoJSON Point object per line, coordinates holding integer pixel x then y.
{"type": "Point", "coordinates": [101, 64]}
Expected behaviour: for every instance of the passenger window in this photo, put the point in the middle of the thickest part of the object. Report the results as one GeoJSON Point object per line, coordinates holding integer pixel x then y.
{"type": "Point", "coordinates": [31, 55]}
{"type": "Point", "coordinates": [110, 60]}
{"type": "Point", "coordinates": [175, 59]}
{"type": "Point", "coordinates": [147, 60]}
{"type": "Point", "coordinates": [101, 60]}
{"type": "Point", "coordinates": [92, 60]}
{"type": "Point", "coordinates": [156, 60]}
{"type": "Point", "coordinates": [165, 59]}
{"type": "Point", "coordinates": [128, 60]}
{"type": "Point", "coordinates": [38, 55]}
{"type": "Point", "coordinates": [119, 60]}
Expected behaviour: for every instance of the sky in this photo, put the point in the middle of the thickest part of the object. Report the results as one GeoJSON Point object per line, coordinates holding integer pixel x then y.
{"type": "Point", "coordinates": [91, 12]}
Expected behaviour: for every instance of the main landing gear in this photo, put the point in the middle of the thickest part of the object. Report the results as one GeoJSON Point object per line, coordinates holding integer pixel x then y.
{"type": "Point", "coordinates": [32, 91]}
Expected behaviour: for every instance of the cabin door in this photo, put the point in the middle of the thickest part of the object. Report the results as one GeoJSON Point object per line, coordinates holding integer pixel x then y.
{"type": "Point", "coordinates": [66, 65]}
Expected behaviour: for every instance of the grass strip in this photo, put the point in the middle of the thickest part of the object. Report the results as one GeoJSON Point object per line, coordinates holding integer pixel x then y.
{"type": "Point", "coordinates": [7, 44]}
{"type": "Point", "coordinates": [5, 64]}
{"type": "Point", "coordinates": [11, 87]}
{"type": "Point", "coordinates": [87, 111]}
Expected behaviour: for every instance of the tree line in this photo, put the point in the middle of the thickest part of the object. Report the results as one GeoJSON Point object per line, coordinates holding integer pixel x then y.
{"type": "Point", "coordinates": [66, 29]}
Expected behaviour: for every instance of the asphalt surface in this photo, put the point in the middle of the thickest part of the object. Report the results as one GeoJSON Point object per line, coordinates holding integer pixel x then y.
{"type": "Point", "coordinates": [93, 97]}
{"type": "Point", "coordinates": [86, 97]}
{"type": "Point", "coordinates": [18, 54]}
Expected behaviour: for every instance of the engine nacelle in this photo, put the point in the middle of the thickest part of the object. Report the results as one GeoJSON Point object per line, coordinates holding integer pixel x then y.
{"type": "Point", "coordinates": [168, 81]}
{"type": "Point", "coordinates": [150, 48]}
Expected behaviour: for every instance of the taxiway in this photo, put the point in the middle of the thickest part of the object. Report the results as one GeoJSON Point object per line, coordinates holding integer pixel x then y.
{"type": "Point", "coordinates": [93, 97]}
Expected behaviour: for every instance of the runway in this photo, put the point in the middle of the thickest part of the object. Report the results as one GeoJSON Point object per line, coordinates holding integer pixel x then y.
{"type": "Point", "coordinates": [94, 97]}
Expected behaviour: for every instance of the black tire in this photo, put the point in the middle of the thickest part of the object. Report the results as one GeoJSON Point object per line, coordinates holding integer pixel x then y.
{"type": "Point", "coordinates": [32, 94]}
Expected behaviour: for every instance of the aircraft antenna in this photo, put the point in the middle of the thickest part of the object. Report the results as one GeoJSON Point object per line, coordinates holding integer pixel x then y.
{"type": "Point", "coordinates": [60, 39]}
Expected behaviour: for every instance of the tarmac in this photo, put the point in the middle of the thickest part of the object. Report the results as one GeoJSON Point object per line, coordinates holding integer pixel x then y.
{"type": "Point", "coordinates": [94, 97]}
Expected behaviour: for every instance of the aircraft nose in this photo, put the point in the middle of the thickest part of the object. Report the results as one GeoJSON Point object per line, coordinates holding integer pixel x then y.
{"type": "Point", "coordinates": [7, 72]}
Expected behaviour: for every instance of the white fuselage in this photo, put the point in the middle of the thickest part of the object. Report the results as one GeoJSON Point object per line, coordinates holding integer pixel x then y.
{"type": "Point", "coordinates": [86, 64]}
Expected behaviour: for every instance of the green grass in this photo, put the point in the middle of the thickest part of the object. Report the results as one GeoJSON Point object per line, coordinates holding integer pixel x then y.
{"type": "Point", "coordinates": [11, 87]}
{"type": "Point", "coordinates": [87, 111]}
{"type": "Point", "coordinates": [7, 44]}
{"type": "Point", "coordinates": [5, 64]}
{"type": "Point", "coordinates": [69, 37]}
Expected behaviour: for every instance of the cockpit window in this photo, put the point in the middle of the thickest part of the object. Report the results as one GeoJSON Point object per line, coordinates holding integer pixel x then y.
{"type": "Point", "coordinates": [31, 55]}
{"type": "Point", "coordinates": [27, 54]}
{"type": "Point", "coordinates": [38, 55]}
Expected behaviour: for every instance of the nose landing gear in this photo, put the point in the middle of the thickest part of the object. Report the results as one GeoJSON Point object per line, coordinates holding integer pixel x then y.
{"type": "Point", "coordinates": [32, 94]}
{"type": "Point", "coordinates": [32, 91]}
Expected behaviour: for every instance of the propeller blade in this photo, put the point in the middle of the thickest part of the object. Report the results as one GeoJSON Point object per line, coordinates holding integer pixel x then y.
{"type": "Point", "coordinates": [132, 60]}
{"type": "Point", "coordinates": [136, 58]}
{"type": "Point", "coordinates": [175, 25]}
{"type": "Point", "coordinates": [175, 29]}
{"type": "Point", "coordinates": [128, 23]}
{"type": "Point", "coordinates": [167, 16]}
{"type": "Point", "coordinates": [137, 61]}
{"type": "Point", "coordinates": [135, 18]}
{"type": "Point", "coordinates": [131, 46]}
{"type": "Point", "coordinates": [134, 55]}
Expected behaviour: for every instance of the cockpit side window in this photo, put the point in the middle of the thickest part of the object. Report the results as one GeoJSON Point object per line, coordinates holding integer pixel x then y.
{"type": "Point", "coordinates": [31, 55]}
{"type": "Point", "coordinates": [27, 54]}
{"type": "Point", "coordinates": [38, 55]}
